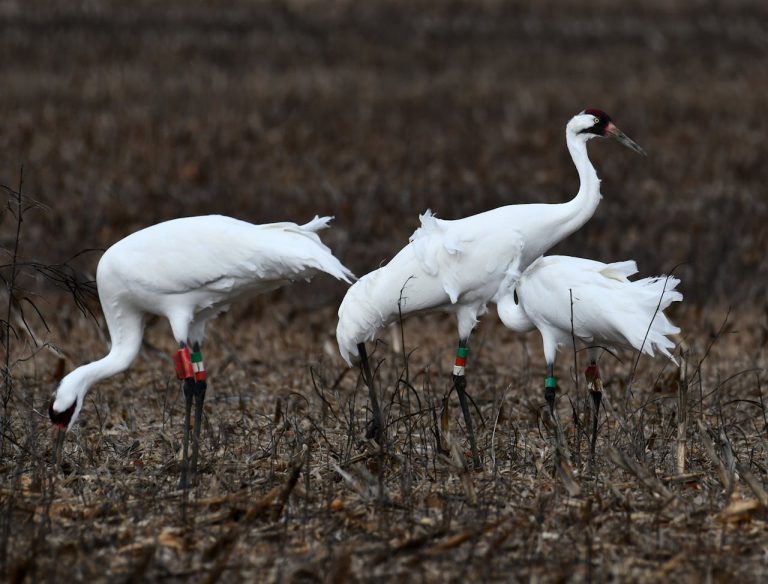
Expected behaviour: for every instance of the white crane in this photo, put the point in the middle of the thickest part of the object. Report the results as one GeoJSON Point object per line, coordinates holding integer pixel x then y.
{"type": "Point", "coordinates": [566, 297]}
{"type": "Point", "coordinates": [458, 266]}
{"type": "Point", "coordinates": [189, 270]}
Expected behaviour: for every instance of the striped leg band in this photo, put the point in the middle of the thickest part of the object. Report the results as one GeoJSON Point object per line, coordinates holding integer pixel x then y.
{"type": "Point", "coordinates": [198, 366]}
{"type": "Point", "coordinates": [461, 361]}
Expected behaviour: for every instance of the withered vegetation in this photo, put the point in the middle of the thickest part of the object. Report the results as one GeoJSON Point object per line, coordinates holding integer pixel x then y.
{"type": "Point", "coordinates": [123, 115]}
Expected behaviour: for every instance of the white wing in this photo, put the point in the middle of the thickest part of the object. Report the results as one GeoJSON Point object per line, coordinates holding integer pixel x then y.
{"type": "Point", "coordinates": [470, 258]}
{"type": "Point", "coordinates": [599, 303]}
{"type": "Point", "coordinates": [450, 266]}
{"type": "Point", "coordinates": [219, 253]}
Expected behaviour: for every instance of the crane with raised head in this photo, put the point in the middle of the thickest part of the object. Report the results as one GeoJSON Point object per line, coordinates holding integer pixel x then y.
{"type": "Point", "coordinates": [459, 266]}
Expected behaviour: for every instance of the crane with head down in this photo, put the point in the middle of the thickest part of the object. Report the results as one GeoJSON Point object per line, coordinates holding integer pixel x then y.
{"type": "Point", "coordinates": [189, 270]}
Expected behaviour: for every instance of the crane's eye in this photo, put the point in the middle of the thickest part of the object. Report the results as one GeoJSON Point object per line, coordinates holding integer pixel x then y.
{"type": "Point", "coordinates": [596, 120]}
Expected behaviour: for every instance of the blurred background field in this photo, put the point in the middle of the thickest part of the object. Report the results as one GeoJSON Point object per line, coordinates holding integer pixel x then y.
{"type": "Point", "coordinates": [126, 114]}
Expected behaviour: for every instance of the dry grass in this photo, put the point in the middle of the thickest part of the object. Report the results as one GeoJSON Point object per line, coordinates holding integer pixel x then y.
{"type": "Point", "coordinates": [372, 112]}
{"type": "Point", "coordinates": [359, 514]}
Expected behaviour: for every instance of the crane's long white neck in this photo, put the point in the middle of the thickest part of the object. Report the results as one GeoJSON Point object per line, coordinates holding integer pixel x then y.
{"type": "Point", "coordinates": [583, 205]}
{"type": "Point", "coordinates": [126, 336]}
{"type": "Point", "coordinates": [513, 315]}
{"type": "Point", "coordinates": [565, 218]}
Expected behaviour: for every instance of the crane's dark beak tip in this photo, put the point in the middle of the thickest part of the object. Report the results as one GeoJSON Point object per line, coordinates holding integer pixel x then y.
{"type": "Point", "coordinates": [613, 132]}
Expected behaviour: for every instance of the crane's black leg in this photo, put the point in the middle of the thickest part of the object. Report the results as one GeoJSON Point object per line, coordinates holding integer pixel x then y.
{"type": "Point", "coordinates": [189, 391]}
{"type": "Point", "coordinates": [550, 393]}
{"type": "Point", "coordinates": [460, 383]}
{"type": "Point", "coordinates": [550, 388]}
{"type": "Point", "coordinates": [184, 372]}
{"type": "Point", "coordinates": [376, 427]}
{"type": "Point", "coordinates": [200, 385]}
{"type": "Point", "coordinates": [595, 383]}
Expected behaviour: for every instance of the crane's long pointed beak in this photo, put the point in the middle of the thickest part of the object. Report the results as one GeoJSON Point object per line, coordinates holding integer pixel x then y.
{"type": "Point", "coordinates": [613, 132]}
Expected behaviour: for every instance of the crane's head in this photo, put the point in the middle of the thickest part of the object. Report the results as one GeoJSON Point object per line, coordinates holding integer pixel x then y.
{"type": "Point", "coordinates": [594, 123]}
{"type": "Point", "coordinates": [65, 417]}
{"type": "Point", "coordinates": [63, 410]}
{"type": "Point", "coordinates": [67, 401]}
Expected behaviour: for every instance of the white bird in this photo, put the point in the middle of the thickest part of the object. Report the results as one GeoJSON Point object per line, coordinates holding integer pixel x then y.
{"type": "Point", "coordinates": [189, 270]}
{"type": "Point", "coordinates": [566, 297]}
{"type": "Point", "coordinates": [458, 266]}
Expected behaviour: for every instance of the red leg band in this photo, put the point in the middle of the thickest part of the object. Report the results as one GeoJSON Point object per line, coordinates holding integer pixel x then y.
{"type": "Point", "coordinates": [592, 372]}
{"type": "Point", "coordinates": [183, 361]}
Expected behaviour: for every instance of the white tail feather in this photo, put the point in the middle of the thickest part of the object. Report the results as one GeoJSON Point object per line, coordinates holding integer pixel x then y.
{"type": "Point", "coordinates": [326, 261]}
{"type": "Point", "coordinates": [655, 294]}
{"type": "Point", "coordinates": [620, 271]}
{"type": "Point", "coordinates": [317, 224]}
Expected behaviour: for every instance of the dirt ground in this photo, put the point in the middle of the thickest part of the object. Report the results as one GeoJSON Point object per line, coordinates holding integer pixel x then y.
{"type": "Point", "coordinates": [123, 115]}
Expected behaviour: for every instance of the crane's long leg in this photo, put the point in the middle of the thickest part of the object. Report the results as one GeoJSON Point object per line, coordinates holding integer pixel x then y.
{"type": "Point", "coordinates": [376, 427]}
{"type": "Point", "coordinates": [200, 386]}
{"type": "Point", "coordinates": [550, 393]}
{"type": "Point", "coordinates": [185, 372]}
{"type": "Point", "coordinates": [189, 391]}
{"type": "Point", "coordinates": [460, 383]}
{"type": "Point", "coordinates": [595, 383]}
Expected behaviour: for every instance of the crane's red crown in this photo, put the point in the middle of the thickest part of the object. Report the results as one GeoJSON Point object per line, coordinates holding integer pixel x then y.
{"type": "Point", "coordinates": [598, 114]}
{"type": "Point", "coordinates": [601, 125]}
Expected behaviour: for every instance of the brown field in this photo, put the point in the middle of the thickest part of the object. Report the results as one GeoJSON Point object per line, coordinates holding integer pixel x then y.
{"type": "Point", "coordinates": [126, 114]}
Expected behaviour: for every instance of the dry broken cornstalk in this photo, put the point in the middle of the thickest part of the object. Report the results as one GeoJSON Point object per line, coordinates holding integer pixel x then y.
{"type": "Point", "coordinates": [641, 473]}
{"type": "Point", "coordinates": [753, 484]}
{"type": "Point", "coordinates": [709, 448]}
